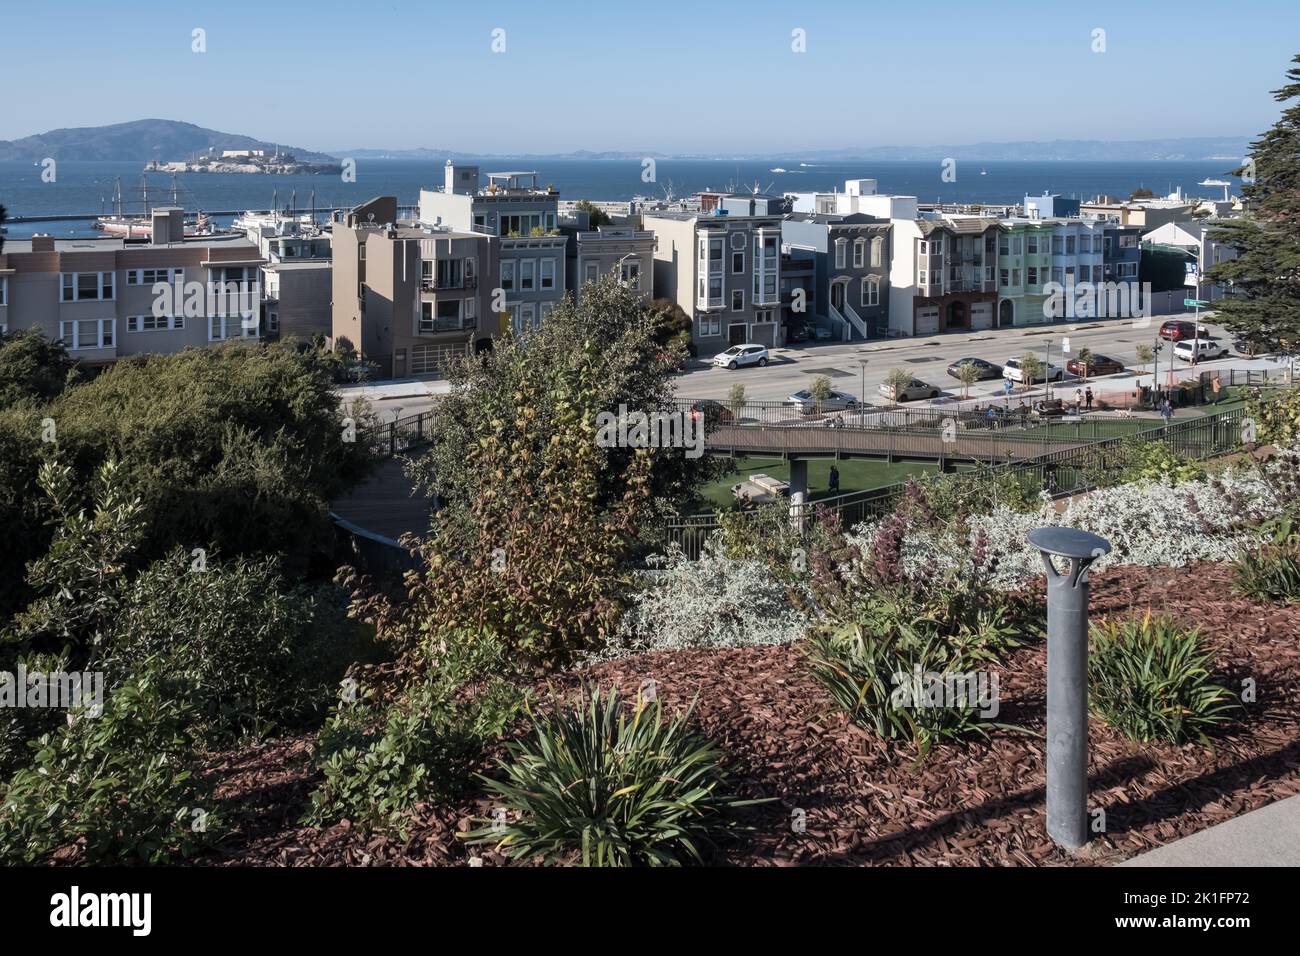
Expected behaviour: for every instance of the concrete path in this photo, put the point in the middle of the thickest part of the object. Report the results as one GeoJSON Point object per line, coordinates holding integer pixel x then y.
{"type": "Point", "coordinates": [1269, 836]}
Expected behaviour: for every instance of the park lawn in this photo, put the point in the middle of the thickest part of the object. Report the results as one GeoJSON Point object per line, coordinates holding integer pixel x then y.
{"type": "Point", "coordinates": [856, 474]}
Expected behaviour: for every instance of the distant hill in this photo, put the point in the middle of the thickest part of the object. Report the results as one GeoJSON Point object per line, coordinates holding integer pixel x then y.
{"type": "Point", "coordinates": [1230, 149]}
{"type": "Point", "coordinates": [142, 140]}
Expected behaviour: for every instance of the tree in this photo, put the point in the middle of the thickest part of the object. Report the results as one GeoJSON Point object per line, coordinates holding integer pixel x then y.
{"type": "Point", "coordinates": [1085, 360]}
{"type": "Point", "coordinates": [1141, 193]}
{"type": "Point", "coordinates": [898, 380]}
{"type": "Point", "coordinates": [968, 374]}
{"type": "Point", "coordinates": [596, 217]}
{"type": "Point", "coordinates": [33, 370]}
{"type": "Point", "coordinates": [1031, 369]}
{"type": "Point", "coordinates": [1265, 275]}
{"type": "Point", "coordinates": [1146, 355]}
{"type": "Point", "coordinates": [736, 399]}
{"type": "Point", "coordinates": [820, 388]}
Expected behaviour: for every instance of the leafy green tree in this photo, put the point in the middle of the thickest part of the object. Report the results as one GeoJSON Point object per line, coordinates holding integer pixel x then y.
{"type": "Point", "coordinates": [897, 379]}
{"type": "Point", "coordinates": [1146, 355]}
{"type": "Point", "coordinates": [968, 374]}
{"type": "Point", "coordinates": [820, 388]}
{"type": "Point", "coordinates": [33, 370]}
{"type": "Point", "coordinates": [1085, 360]}
{"type": "Point", "coordinates": [1265, 275]}
{"type": "Point", "coordinates": [736, 399]}
{"type": "Point", "coordinates": [596, 217]}
{"type": "Point", "coordinates": [1032, 368]}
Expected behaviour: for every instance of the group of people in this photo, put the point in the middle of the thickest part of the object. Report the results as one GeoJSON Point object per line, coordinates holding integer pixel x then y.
{"type": "Point", "coordinates": [1083, 399]}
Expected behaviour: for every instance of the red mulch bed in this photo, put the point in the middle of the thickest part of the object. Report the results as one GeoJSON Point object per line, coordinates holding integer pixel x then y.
{"type": "Point", "coordinates": [866, 801]}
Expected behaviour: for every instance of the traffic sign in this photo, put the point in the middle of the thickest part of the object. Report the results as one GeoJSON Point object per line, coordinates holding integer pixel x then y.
{"type": "Point", "coordinates": [1196, 303]}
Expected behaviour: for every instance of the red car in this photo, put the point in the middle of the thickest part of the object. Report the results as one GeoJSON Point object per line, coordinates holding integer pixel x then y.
{"type": "Point", "coordinates": [1097, 365]}
{"type": "Point", "coordinates": [1175, 331]}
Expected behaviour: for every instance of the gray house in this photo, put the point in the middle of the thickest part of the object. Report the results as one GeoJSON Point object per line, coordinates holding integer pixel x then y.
{"type": "Point", "coordinates": [851, 257]}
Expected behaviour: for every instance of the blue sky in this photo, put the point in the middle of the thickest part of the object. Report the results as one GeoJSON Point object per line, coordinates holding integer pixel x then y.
{"type": "Point", "coordinates": [666, 76]}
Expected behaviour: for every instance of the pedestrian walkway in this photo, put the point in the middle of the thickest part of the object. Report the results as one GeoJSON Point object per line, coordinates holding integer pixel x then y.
{"type": "Point", "coordinates": [1269, 836]}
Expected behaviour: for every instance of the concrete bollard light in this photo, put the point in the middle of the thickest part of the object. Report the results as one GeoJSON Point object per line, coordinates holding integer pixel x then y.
{"type": "Point", "coordinates": [1067, 678]}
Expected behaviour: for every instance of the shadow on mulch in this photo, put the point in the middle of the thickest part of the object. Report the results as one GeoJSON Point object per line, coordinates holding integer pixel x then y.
{"type": "Point", "coordinates": [868, 803]}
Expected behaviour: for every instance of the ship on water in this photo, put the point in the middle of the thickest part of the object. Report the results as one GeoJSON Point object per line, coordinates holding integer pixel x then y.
{"type": "Point", "coordinates": [128, 224]}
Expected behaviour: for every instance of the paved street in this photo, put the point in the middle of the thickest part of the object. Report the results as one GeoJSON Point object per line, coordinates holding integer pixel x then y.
{"type": "Point", "coordinates": [792, 368]}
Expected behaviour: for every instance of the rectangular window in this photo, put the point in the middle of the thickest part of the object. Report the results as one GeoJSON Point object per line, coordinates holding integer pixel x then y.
{"type": "Point", "coordinates": [154, 323]}
{"type": "Point", "coordinates": [737, 300]}
{"type": "Point", "coordinates": [921, 278]}
{"type": "Point", "coordinates": [1015, 246]}
{"type": "Point", "coordinates": [1031, 276]}
{"type": "Point", "coordinates": [1069, 245]}
{"type": "Point", "coordinates": [1031, 245]}
{"type": "Point", "coordinates": [1015, 277]}
{"type": "Point", "coordinates": [87, 334]}
{"type": "Point", "coordinates": [150, 277]}
{"type": "Point", "coordinates": [508, 275]}
{"type": "Point", "coordinates": [548, 273]}
{"type": "Point", "coordinates": [1058, 275]}
{"type": "Point", "coordinates": [1004, 246]}
{"type": "Point", "coordinates": [870, 293]}
{"type": "Point", "coordinates": [632, 275]}
{"type": "Point", "coordinates": [710, 325]}
{"type": "Point", "coordinates": [921, 249]}
{"type": "Point", "coordinates": [592, 271]}
{"type": "Point", "coordinates": [82, 286]}
{"type": "Point", "coordinates": [1058, 245]}
{"type": "Point", "coordinates": [1127, 270]}
{"type": "Point", "coordinates": [1004, 277]}
{"type": "Point", "coordinates": [527, 274]}
{"type": "Point", "coordinates": [936, 247]}
{"type": "Point", "coordinates": [1128, 242]}
{"type": "Point", "coordinates": [737, 263]}
{"type": "Point", "coordinates": [859, 254]}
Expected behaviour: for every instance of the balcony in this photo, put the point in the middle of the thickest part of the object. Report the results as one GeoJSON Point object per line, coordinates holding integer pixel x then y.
{"type": "Point", "coordinates": [433, 285]}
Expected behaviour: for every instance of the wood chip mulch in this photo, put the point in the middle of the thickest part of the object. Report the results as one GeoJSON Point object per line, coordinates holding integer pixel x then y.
{"type": "Point", "coordinates": [865, 801]}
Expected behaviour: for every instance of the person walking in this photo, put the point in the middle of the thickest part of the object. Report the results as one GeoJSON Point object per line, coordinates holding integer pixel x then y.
{"type": "Point", "coordinates": [833, 480]}
{"type": "Point", "coordinates": [1087, 397]}
{"type": "Point", "coordinates": [1166, 411]}
{"type": "Point", "coordinates": [1078, 400]}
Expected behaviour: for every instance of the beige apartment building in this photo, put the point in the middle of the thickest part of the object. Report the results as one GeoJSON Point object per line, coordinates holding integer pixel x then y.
{"type": "Point", "coordinates": [104, 297]}
{"type": "Point", "coordinates": [409, 297]}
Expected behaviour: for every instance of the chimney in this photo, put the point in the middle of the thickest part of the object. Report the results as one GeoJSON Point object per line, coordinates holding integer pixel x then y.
{"type": "Point", "coordinates": [42, 243]}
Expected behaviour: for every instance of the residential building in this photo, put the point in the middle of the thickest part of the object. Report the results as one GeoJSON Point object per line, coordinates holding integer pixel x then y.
{"type": "Point", "coordinates": [530, 250]}
{"type": "Point", "coordinates": [943, 274]}
{"type": "Point", "coordinates": [851, 256]}
{"type": "Point", "coordinates": [106, 298]}
{"type": "Point", "coordinates": [296, 280]}
{"type": "Point", "coordinates": [1193, 237]}
{"type": "Point", "coordinates": [408, 297]}
{"type": "Point", "coordinates": [624, 250]}
{"type": "Point", "coordinates": [1040, 262]}
{"type": "Point", "coordinates": [1049, 206]}
{"type": "Point", "coordinates": [723, 267]}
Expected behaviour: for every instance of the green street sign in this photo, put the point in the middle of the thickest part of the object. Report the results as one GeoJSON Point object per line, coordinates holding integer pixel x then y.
{"type": "Point", "coordinates": [1196, 303]}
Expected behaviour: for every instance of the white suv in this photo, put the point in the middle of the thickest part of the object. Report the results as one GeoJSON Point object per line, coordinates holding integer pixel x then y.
{"type": "Point", "coordinates": [739, 355]}
{"type": "Point", "coordinates": [1011, 369]}
{"type": "Point", "coordinates": [1202, 349]}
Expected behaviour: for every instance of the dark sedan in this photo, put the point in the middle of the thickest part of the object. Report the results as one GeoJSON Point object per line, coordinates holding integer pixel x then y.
{"type": "Point", "coordinates": [986, 369]}
{"type": "Point", "coordinates": [1097, 365]}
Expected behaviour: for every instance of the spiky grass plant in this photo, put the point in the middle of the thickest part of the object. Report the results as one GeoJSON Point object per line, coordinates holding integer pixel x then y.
{"type": "Point", "coordinates": [1270, 573]}
{"type": "Point", "coordinates": [616, 785]}
{"type": "Point", "coordinates": [1150, 679]}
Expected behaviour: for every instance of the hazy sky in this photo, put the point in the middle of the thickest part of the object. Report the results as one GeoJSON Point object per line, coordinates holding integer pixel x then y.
{"type": "Point", "coordinates": [664, 76]}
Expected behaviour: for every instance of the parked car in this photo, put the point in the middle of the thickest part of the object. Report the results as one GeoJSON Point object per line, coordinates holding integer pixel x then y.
{"type": "Point", "coordinates": [915, 389]}
{"type": "Point", "coordinates": [986, 369]}
{"type": "Point", "coordinates": [797, 332]}
{"type": "Point", "coordinates": [1201, 349]}
{"type": "Point", "coordinates": [1097, 365]}
{"type": "Point", "coordinates": [739, 355]}
{"type": "Point", "coordinates": [1245, 345]}
{"type": "Point", "coordinates": [1175, 330]}
{"type": "Point", "coordinates": [837, 402]}
{"type": "Point", "coordinates": [1013, 371]}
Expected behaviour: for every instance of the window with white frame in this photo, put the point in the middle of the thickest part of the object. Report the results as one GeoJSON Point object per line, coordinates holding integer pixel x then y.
{"type": "Point", "coordinates": [82, 286]}
{"type": "Point", "coordinates": [154, 323]}
{"type": "Point", "coordinates": [508, 275]}
{"type": "Point", "coordinates": [841, 248]}
{"type": "Point", "coordinates": [224, 327]}
{"type": "Point", "coordinates": [548, 273]}
{"type": "Point", "coordinates": [470, 309]}
{"type": "Point", "coordinates": [859, 253]}
{"type": "Point", "coordinates": [527, 275]}
{"type": "Point", "coordinates": [737, 300]}
{"type": "Point", "coordinates": [921, 249]}
{"type": "Point", "coordinates": [1126, 270]}
{"type": "Point", "coordinates": [936, 247]}
{"type": "Point", "coordinates": [151, 277]}
{"type": "Point", "coordinates": [1015, 277]}
{"type": "Point", "coordinates": [710, 325]}
{"type": "Point", "coordinates": [921, 278]}
{"type": "Point", "coordinates": [877, 250]}
{"type": "Point", "coordinates": [1031, 244]}
{"type": "Point", "coordinates": [632, 274]}
{"type": "Point", "coordinates": [87, 334]}
{"type": "Point", "coordinates": [871, 291]}
{"type": "Point", "coordinates": [528, 315]}
{"type": "Point", "coordinates": [1015, 245]}
{"type": "Point", "coordinates": [1004, 277]}
{"type": "Point", "coordinates": [591, 271]}
{"type": "Point", "coordinates": [1031, 276]}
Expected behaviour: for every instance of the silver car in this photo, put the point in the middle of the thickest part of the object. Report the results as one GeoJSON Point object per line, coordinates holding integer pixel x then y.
{"type": "Point", "coordinates": [836, 402]}
{"type": "Point", "coordinates": [914, 389]}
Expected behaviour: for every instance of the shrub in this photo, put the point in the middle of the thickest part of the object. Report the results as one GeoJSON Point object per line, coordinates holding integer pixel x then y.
{"type": "Point", "coordinates": [1149, 679]}
{"type": "Point", "coordinates": [614, 789]}
{"type": "Point", "coordinates": [377, 762]}
{"type": "Point", "coordinates": [120, 783]}
{"type": "Point", "coordinates": [873, 678]}
{"type": "Point", "coordinates": [1270, 573]}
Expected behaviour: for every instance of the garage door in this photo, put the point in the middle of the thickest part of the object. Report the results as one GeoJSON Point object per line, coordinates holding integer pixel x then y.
{"type": "Point", "coordinates": [981, 315]}
{"type": "Point", "coordinates": [927, 320]}
{"type": "Point", "coordinates": [434, 359]}
{"type": "Point", "coordinates": [763, 333]}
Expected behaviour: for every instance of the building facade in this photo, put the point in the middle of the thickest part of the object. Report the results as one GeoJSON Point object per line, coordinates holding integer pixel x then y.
{"type": "Point", "coordinates": [851, 256]}
{"type": "Point", "coordinates": [723, 268]}
{"type": "Point", "coordinates": [109, 298]}
{"type": "Point", "coordinates": [944, 274]}
{"type": "Point", "coordinates": [625, 251]}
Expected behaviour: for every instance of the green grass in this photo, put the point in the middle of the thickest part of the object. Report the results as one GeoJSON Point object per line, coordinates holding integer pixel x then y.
{"type": "Point", "coordinates": [856, 474]}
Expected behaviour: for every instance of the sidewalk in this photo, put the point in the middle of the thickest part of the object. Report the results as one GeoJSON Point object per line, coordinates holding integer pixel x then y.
{"type": "Point", "coordinates": [395, 389]}
{"type": "Point", "coordinates": [1269, 836]}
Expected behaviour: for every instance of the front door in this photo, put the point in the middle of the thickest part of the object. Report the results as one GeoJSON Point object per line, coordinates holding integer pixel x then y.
{"type": "Point", "coordinates": [737, 333]}
{"type": "Point", "coordinates": [837, 295]}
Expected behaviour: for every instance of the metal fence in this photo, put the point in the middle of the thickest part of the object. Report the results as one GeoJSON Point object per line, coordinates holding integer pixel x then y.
{"type": "Point", "coordinates": [400, 435]}
{"type": "Point", "coordinates": [1060, 473]}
